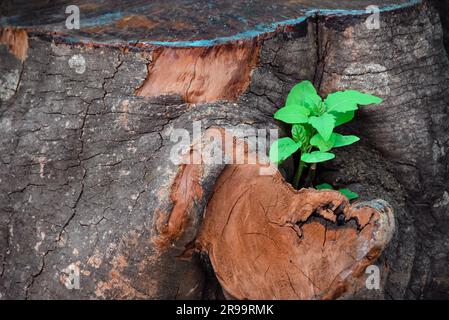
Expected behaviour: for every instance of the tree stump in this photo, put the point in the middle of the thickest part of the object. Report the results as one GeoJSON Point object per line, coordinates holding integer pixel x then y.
{"type": "Point", "coordinates": [87, 118]}
{"type": "Point", "coordinates": [269, 241]}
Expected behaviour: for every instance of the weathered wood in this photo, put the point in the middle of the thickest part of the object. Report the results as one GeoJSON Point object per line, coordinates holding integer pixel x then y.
{"type": "Point", "coordinates": [408, 66]}
{"type": "Point", "coordinates": [85, 177]}
{"type": "Point", "coordinates": [443, 9]}
{"type": "Point", "coordinates": [268, 241]}
{"type": "Point", "coordinates": [189, 23]}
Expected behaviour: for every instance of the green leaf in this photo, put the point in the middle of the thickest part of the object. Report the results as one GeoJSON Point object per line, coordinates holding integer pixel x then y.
{"type": "Point", "coordinates": [301, 132]}
{"type": "Point", "coordinates": [344, 101]}
{"type": "Point", "coordinates": [317, 156]}
{"type": "Point", "coordinates": [346, 192]}
{"type": "Point", "coordinates": [319, 142]}
{"type": "Point", "coordinates": [303, 94]}
{"type": "Point", "coordinates": [341, 141]}
{"type": "Point", "coordinates": [298, 132]}
{"type": "Point", "coordinates": [324, 186]}
{"type": "Point", "coordinates": [283, 148]}
{"type": "Point", "coordinates": [342, 118]}
{"type": "Point", "coordinates": [292, 114]}
{"type": "Point", "coordinates": [324, 124]}
{"type": "Point", "coordinates": [349, 194]}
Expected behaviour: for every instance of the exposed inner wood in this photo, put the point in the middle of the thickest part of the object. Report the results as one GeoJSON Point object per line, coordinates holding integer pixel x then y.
{"type": "Point", "coordinates": [185, 190]}
{"type": "Point", "coordinates": [173, 21]}
{"type": "Point", "coordinates": [135, 21]}
{"type": "Point", "coordinates": [267, 241]}
{"type": "Point", "coordinates": [16, 40]}
{"type": "Point", "coordinates": [201, 74]}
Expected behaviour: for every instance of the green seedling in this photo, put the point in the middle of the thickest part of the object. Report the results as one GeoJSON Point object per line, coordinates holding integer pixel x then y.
{"type": "Point", "coordinates": [312, 123]}
{"type": "Point", "coordinates": [351, 195]}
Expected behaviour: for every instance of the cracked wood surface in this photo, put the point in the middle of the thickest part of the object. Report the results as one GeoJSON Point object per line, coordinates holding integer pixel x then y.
{"type": "Point", "coordinates": [85, 180]}
{"type": "Point", "coordinates": [268, 241]}
{"type": "Point", "coordinates": [191, 22]}
{"type": "Point", "coordinates": [443, 9]}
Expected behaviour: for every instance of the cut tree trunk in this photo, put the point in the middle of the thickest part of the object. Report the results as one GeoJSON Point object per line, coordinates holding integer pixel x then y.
{"type": "Point", "coordinates": [268, 241]}
{"type": "Point", "coordinates": [87, 118]}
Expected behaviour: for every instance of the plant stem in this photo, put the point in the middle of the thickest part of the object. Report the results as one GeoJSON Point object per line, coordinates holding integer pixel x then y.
{"type": "Point", "coordinates": [298, 174]}
{"type": "Point", "coordinates": [310, 176]}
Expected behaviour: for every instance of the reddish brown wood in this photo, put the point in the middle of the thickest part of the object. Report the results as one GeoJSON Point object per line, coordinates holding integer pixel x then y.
{"type": "Point", "coordinates": [269, 241]}
{"type": "Point", "coordinates": [201, 74]}
{"type": "Point", "coordinates": [16, 40]}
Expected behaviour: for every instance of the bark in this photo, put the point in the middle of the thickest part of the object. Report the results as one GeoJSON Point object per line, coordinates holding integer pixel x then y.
{"type": "Point", "coordinates": [409, 133]}
{"type": "Point", "coordinates": [85, 177]}
{"type": "Point", "coordinates": [443, 9]}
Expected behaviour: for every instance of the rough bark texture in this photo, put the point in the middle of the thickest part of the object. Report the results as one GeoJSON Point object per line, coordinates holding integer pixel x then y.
{"type": "Point", "coordinates": [85, 179]}
{"type": "Point", "coordinates": [407, 65]}
{"type": "Point", "coordinates": [443, 8]}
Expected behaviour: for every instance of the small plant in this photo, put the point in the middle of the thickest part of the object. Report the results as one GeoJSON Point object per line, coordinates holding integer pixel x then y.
{"type": "Point", "coordinates": [313, 122]}
{"type": "Point", "coordinates": [351, 195]}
